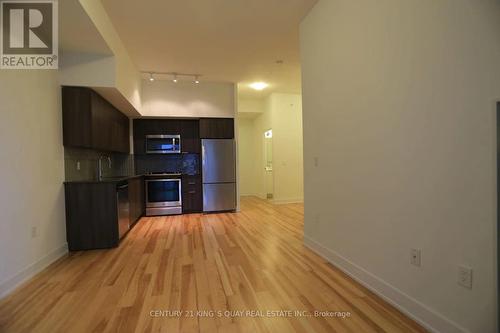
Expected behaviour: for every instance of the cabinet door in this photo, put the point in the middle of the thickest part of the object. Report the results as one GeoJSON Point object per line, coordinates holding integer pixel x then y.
{"type": "Point", "coordinates": [192, 200]}
{"type": "Point", "coordinates": [116, 132]}
{"type": "Point", "coordinates": [76, 117]}
{"type": "Point", "coordinates": [140, 132]}
{"type": "Point", "coordinates": [91, 216]}
{"type": "Point", "coordinates": [125, 129]}
{"type": "Point", "coordinates": [110, 128]}
{"type": "Point", "coordinates": [216, 128]}
{"type": "Point", "coordinates": [120, 141]}
{"type": "Point", "coordinates": [101, 124]}
{"type": "Point", "coordinates": [190, 137]}
{"type": "Point", "coordinates": [89, 121]}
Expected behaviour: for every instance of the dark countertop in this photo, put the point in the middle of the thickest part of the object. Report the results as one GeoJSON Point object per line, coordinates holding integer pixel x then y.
{"type": "Point", "coordinates": [118, 179]}
{"type": "Point", "coordinates": [104, 180]}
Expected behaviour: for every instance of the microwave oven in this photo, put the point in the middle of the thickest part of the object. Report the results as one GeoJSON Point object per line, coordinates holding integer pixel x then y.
{"type": "Point", "coordinates": [163, 144]}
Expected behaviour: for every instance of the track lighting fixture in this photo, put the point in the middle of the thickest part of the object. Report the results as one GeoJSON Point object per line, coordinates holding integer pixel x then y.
{"type": "Point", "coordinates": [152, 76]}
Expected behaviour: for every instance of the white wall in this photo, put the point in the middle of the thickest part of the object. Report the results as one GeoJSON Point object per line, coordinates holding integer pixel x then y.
{"type": "Point", "coordinates": [163, 98]}
{"type": "Point", "coordinates": [31, 174]}
{"type": "Point", "coordinates": [261, 124]}
{"type": "Point", "coordinates": [98, 72]}
{"type": "Point", "coordinates": [89, 70]}
{"type": "Point", "coordinates": [100, 60]}
{"type": "Point", "coordinates": [399, 108]}
{"type": "Point", "coordinates": [246, 157]}
{"type": "Point", "coordinates": [283, 114]}
{"type": "Point", "coordinates": [288, 165]}
{"type": "Point", "coordinates": [250, 108]}
{"type": "Point", "coordinates": [128, 79]}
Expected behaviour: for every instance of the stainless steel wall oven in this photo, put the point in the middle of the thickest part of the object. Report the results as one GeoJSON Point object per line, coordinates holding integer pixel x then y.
{"type": "Point", "coordinates": [163, 194]}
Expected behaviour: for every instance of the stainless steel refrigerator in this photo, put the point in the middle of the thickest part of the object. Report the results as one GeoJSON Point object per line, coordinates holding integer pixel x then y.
{"type": "Point", "coordinates": [219, 174]}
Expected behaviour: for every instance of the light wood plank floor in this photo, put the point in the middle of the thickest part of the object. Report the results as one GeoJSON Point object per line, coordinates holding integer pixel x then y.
{"type": "Point", "coordinates": [215, 264]}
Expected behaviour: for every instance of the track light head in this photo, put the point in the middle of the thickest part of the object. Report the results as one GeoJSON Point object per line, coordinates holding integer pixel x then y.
{"type": "Point", "coordinates": [196, 79]}
{"type": "Point", "coordinates": [151, 78]}
{"type": "Point", "coordinates": [175, 78]}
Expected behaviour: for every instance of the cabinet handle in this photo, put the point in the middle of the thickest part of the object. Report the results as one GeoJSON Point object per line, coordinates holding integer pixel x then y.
{"type": "Point", "coordinates": [192, 192]}
{"type": "Point", "coordinates": [192, 183]}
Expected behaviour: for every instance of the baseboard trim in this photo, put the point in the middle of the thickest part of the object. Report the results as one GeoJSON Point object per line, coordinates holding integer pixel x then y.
{"type": "Point", "coordinates": [428, 318]}
{"type": "Point", "coordinates": [9, 285]}
{"type": "Point", "coordinates": [287, 201]}
{"type": "Point", "coordinates": [275, 201]}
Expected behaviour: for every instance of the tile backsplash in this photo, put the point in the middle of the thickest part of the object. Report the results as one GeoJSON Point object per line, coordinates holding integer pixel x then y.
{"type": "Point", "coordinates": [121, 164]}
{"type": "Point", "coordinates": [179, 163]}
{"type": "Point", "coordinates": [125, 164]}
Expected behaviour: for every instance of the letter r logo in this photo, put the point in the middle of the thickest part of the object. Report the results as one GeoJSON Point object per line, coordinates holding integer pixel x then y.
{"type": "Point", "coordinates": [27, 27]}
{"type": "Point", "coordinates": [17, 28]}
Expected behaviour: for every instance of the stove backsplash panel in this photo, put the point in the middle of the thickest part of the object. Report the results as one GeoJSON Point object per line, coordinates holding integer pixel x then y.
{"type": "Point", "coordinates": [188, 164]}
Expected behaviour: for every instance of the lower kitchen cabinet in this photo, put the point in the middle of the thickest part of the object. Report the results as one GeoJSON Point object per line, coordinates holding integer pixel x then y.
{"type": "Point", "coordinates": [97, 214]}
{"type": "Point", "coordinates": [136, 198]}
{"type": "Point", "coordinates": [192, 194]}
{"type": "Point", "coordinates": [91, 216]}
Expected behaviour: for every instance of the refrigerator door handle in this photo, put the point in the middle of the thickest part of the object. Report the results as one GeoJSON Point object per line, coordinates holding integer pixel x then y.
{"type": "Point", "coordinates": [203, 155]}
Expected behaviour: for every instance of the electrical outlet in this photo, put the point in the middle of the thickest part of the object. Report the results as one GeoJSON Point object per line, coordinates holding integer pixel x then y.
{"type": "Point", "coordinates": [415, 258]}
{"type": "Point", "coordinates": [78, 166]}
{"type": "Point", "coordinates": [34, 232]}
{"type": "Point", "coordinates": [465, 276]}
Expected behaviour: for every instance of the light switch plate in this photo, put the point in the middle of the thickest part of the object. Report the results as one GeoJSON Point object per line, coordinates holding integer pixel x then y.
{"type": "Point", "coordinates": [415, 257]}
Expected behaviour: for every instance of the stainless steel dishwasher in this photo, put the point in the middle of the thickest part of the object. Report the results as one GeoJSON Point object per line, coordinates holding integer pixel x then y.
{"type": "Point", "coordinates": [123, 205]}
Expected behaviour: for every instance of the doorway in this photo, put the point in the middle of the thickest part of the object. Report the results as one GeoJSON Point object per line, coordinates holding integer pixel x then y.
{"type": "Point", "coordinates": [268, 164]}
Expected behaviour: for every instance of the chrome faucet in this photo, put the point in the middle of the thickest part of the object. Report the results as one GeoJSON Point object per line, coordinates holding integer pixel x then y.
{"type": "Point", "coordinates": [99, 166]}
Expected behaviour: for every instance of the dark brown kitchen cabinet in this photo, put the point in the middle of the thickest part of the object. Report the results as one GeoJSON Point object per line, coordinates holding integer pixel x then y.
{"type": "Point", "coordinates": [190, 136]}
{"type": "Point", "coordinates": [192, 196]}
{"type": "Point", "coordinates": [93, 212]}
{"type": "Point", "coordinates": [216, 128]}
{"type": "Point", "coordinates": [89, 121]}
{"type": "Point", "coordinates": [136, 198]}
{"type": "Point", "coordinates": [77, 119]}
{"type": "Point", "coordinates": [91, 216]}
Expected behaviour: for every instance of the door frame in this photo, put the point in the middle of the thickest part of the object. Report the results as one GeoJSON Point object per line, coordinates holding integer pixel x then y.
{"type": "Point", "coordinates": [264, 160]}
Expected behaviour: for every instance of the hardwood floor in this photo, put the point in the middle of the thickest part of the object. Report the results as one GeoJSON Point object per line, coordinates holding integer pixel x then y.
{"type": "Point", "coordinates": [252, 260]}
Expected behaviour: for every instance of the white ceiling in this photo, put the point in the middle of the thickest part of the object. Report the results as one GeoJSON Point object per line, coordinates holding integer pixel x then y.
{"type": "Point", "coordinates": [224, 40]}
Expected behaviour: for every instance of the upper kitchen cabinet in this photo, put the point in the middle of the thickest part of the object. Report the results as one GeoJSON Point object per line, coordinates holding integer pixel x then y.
{"type": "Point", "coordinates": [190, 136]}
{"type": "Point", "coordinates": [186, 128]}
{"type": "Point", "coordinates": [216, 128]}
{"type": "Point", "coordinates": [89, 121]}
